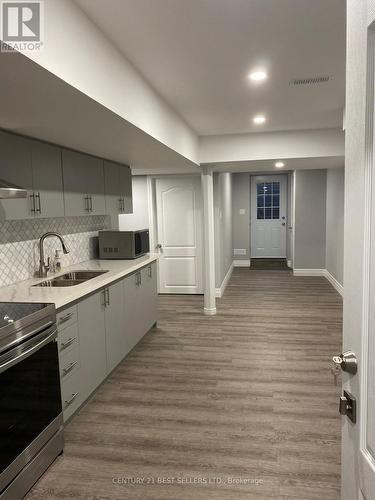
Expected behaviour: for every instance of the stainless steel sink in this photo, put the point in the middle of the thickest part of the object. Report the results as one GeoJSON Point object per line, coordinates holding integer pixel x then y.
{"type": "Point", "coordinates": [72, 278]}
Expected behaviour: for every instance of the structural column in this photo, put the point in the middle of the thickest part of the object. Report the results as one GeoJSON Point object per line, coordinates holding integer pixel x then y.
{"type": "Point", "coordinates": [208, 241]}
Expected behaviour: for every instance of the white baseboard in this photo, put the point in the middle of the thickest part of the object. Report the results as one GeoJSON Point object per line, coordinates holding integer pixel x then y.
{"type": "Point", "coordinates": [219, 292]}
{"type": "Point", "coordinates": [241, 263]}
{"type": "Point", "coordinates": [337, 285]}
{"type": "Point", "coordinates": [321, 272]}
{"type": "Point", "coordinates": [309, 272]}
{"type": "Point", "coordinates": [289, 264]}
{"type": "Point", "coordinates": [209, 312]}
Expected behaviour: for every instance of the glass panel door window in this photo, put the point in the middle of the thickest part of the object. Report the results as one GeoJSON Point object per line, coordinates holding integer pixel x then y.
{"type": "Point", "coordinates": [268, 200]}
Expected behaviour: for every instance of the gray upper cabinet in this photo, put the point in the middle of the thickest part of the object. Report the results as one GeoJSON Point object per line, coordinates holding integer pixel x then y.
{"type": "Point", "coordinates": [83, 184]}
{"type": "Point", "coordinates": [126, 189]}
{"type": "Point", "coordinates": [118, 188]}
{"type": "Point", "coordinates": [47, 197]}
{"type": "Point", "coordinates": [15, 167]}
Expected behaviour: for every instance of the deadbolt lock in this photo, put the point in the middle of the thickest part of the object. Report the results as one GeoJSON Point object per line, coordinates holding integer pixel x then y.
{"type": "Point", "coordinates": [348, 406]}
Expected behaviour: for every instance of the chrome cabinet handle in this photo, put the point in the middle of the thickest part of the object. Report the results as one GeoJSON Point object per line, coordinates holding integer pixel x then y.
{"type": "Point", "coordinates": [90, 199]}
{"type": "Point", "coordinates": [123, 204]}
{"type": "Point", "coordinates": [33, 208]}
{"type": "Point", "coordinates": [69, 368]}
{"type": "Point", "coordinates": [120, 204]}
{"type": "Point", "coordinates": [39, 206]}
{"type": "Point", "coordinates": [67, 343]}
{"type": "Point", "coordinates": [70, 401]}
{"type": "Point", "coordinates": [104, 303]}
{"type": "Point", "coordinates": [65, 318]}
{"type": "Point", "coordinates": [150, 271]}
{"type": "Point", "coordinates": [107, 297]}
{"type": "Point", "coordinates": [87, 206]}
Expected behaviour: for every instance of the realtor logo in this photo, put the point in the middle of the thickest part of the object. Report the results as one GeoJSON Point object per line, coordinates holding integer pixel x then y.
{"type": "Point", "coordinates": [21, 26]}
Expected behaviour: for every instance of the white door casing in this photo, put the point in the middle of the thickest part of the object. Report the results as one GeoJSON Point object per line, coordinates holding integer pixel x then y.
{"type": "Point", "coordinates": [268, 216]}
{"type": "Point", "coordinates": [179, 232]}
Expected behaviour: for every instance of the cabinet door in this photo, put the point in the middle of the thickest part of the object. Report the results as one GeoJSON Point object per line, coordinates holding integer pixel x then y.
{"type": "Point", "coordinates": [113, 195]}
{"type": "Point", "coordinates": [133, 310]}
{"type": "Point", "coordinates": [47, 180]}
{"type": "Point", "coordinates": [75, 172]}
{"type": "Point", "coordinates": [91, 326]}
{"type": "Point", "coordinates": [149, 297]}
{"type": "Point", "coordinates": [15, 167]}
{"type": "Point", "coordinates": [115, 325]}
{"type": "Point", "coordinates": [126, 189]}
{"type": "Point", "coordinates": [96, 186]}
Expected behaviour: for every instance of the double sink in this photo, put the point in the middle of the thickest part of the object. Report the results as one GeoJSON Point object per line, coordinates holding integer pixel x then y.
{"type": "Point", "coordinates": [72, 278]}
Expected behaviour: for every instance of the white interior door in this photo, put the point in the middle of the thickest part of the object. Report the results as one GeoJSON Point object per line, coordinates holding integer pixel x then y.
{"type": "Point", "coordinates": [268, 216]}
{"type": "Point", "coordinates": [179, 228]}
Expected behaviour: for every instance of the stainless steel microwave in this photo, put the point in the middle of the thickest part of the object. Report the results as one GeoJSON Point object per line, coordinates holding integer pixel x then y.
{"type": "Point", "coordinates": [123, 244]}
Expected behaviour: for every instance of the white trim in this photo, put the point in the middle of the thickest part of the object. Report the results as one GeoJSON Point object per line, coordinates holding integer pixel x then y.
{"type": "Point", "coordinates": [336, 284]}
{"type": "Point", "coordinates": [220, 291]}
{"type": "Point", "coordinates": [209, 312]}
{"type": "Point", "coordinates": [321, 272]}
{"type": "Point", "coordinates": [289, 263]}
{"type": "Point", "coordinates": [241, 263]}
{"type": "Point", "coordinates": [309, 272]}
{"type": "Point", "coordinates": [208, 240]}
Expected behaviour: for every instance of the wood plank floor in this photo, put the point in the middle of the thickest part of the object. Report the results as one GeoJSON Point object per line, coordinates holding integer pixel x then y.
{"type": "Point", "coordinates": [235, 406]}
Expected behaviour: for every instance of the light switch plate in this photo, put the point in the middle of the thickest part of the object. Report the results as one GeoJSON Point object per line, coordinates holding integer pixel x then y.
{"type": "Point", "coordinates": [242, 211]}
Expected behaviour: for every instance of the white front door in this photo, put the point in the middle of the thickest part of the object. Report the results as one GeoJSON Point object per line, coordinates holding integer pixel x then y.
{"type": "Point", "coordinates": [268, 216]}
{"type": "Point", "coordinates": [179, 234]}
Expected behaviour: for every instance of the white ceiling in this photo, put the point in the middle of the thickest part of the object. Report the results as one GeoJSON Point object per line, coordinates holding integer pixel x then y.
{"type": "Point", "coordinates": [197, 54]}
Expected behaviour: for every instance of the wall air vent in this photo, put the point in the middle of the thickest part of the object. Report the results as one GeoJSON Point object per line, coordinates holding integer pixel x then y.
{"type": "Point", "coordinates": [310, 81]}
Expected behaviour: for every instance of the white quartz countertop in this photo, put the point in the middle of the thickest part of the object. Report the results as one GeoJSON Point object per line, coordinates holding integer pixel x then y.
{"type": "Point", "coordinates": [24, 291]}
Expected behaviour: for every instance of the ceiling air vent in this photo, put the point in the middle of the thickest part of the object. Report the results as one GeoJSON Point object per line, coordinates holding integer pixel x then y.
{"type": "Point", "coordinates": [310, 81]}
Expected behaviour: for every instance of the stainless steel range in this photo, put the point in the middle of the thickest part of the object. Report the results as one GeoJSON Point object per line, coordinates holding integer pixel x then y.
{"type": "Point", "coordinates": [31, 423]}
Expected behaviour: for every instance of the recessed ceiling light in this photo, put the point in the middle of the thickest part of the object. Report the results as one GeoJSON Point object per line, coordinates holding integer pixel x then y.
{"type": "Point", "coordinates": [258, 76]}
{"type": "Point", "coordinates": [279, 164]}
{"type": "Point", "coordinates": [259, 119]}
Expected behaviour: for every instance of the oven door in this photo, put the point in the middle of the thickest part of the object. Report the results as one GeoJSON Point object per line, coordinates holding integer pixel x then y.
{"type": "Point", "coordinates": [30, 401]}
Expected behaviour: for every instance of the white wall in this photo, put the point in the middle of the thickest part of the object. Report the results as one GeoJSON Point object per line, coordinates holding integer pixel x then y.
{"type": "Point", "coordinates": [272, 145]}
{"type": "Point", "coordinates": [335, 223]}
{"type": "Point", "coordinates": [310, 219]}
{"type": "Point", "coordinates": [139, 218]}
{"type": "Point", "coordinates": [241, 215]}
{"type": "Point", "coordinates": [223, 225]}
{"type": "Point", "coordinates": [76, 51]}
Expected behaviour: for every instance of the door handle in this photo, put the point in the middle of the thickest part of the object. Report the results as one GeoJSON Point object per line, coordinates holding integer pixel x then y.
{"type": "Point", "coordinates": [347, 361]}
{"type": "Point", "coordinates": [348, 406]}
{"type": "Point", "coordinates": [39, 206]}
{"type": "Point", "coordinates": [283, 224]}
{"type": "Point", "coordinates": [159, 246]}
{"type": "Point", "coordinates": [33, 208]}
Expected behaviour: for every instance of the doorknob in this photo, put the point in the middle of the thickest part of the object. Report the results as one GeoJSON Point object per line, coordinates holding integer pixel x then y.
{"type": "Point", "coordinates": [347, 361]}
{"type": "Point", "coordinates": [283, 224]}
{"type": "Point", "coordinates": [159, 246]}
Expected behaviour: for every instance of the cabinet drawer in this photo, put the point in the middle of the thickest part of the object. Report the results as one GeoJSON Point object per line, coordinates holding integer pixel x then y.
{"type": "Point", "coordinates": [69, 363]}
{"type": "Point", "coordinates": [68, 339]}
{"type": "Point", "coordinates": [71, 394]}
{"type": "Point", "coordinates": [66, 317]}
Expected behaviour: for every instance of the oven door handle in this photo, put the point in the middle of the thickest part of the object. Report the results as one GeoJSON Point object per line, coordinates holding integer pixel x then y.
{"type": "Point", "coordinates": [47, 338]}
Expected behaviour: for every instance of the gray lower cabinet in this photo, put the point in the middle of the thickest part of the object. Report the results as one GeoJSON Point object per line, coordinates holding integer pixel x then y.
{"type": "Point", "coordinates": [91, 327]}
{"type": "Point", "coordinates": [116, 327]}
{"type": "Point", "coordinates": [95, 335]}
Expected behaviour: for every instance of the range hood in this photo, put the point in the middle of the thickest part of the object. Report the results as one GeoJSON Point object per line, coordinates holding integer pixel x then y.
{"type": "Point", "coordinates": [9, 190]}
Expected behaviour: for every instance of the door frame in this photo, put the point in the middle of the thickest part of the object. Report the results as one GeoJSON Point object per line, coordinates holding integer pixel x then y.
{"type": "Point", "coordinates": [290, 197]}
{"type": "Point", "coordinates": [152, 214]}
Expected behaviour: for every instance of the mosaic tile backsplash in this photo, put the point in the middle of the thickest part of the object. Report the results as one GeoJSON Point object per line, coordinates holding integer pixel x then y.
{"type": "Point", "coordinates": [19, 250]}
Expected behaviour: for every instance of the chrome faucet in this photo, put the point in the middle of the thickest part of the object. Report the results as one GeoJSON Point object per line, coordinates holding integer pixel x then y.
{"type": "Point", "coordinates": [44, 268]}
